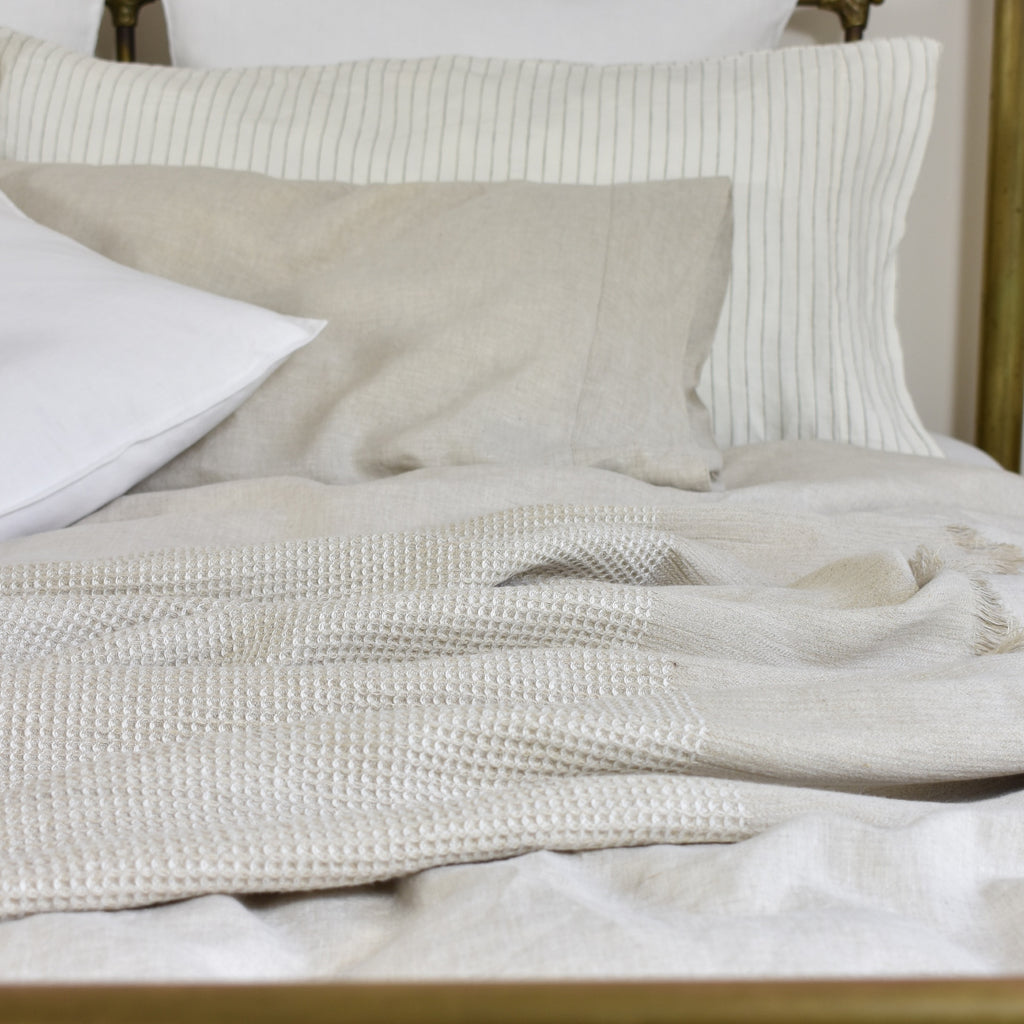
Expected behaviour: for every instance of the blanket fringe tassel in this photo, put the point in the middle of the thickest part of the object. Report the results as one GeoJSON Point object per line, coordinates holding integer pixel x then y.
{"type": "Point", "coordinates": [999, 632]}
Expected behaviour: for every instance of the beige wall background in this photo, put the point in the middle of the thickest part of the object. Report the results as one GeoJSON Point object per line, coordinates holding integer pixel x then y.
{"type": "Point", "coordinates": [940, 262]}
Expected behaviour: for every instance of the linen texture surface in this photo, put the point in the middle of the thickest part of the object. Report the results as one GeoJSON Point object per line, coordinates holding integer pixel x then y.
{"type": "Point", "coordinates": [504, 323]}
{"type": "Point", "coordinates": [308, 713]}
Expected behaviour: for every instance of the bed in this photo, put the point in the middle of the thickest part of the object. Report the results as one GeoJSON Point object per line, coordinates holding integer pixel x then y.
{"type": "Point", "coordinates": [422, 654]}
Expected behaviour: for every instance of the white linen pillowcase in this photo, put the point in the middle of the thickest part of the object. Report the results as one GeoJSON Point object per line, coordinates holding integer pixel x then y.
{"type": "Point", "coordinates": [71, 23]}
{"type": "Point", "coordinates": [245, 33]}
{"type": "Point", "coordinates": [106, 373]}
{"type": "Point", "coordinates": [823, 146]}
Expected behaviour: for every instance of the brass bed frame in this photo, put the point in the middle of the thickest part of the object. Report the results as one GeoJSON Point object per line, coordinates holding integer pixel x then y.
{"type": "Point", "coordinates": [1001, 404]}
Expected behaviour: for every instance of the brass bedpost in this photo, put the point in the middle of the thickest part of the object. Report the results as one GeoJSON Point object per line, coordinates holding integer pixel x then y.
{"type": "Point", "coordinates": [125, 14]}
{"type": "Point", "coordinates": [1001, 384]}
{"type": "Point", "coordinates": [852, 13]}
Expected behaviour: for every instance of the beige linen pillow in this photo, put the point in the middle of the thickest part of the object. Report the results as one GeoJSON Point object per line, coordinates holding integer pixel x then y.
{"type": "Point", "coordinates": [506, 323]}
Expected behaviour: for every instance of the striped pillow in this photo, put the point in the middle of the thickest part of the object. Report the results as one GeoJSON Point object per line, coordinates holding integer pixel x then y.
{"type": "Point", "coordinates": [823, 145]}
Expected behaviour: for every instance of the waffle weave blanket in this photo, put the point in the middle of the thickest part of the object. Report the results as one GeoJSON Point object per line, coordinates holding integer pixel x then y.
{"type": "Point", "coordinates": [306, 714]}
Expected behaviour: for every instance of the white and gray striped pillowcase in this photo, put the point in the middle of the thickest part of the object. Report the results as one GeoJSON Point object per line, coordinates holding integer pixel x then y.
{"type": "Point", "coordinates": [823, 145]}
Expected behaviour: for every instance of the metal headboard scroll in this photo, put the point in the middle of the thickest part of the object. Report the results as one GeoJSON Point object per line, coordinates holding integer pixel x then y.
{"type": "Point", "coordinates": [852, 13]}
{"type": "Point", "coordinates": [125, 13]}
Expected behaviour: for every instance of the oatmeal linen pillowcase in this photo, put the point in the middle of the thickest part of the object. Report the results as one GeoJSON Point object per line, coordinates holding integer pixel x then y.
{"type": "Point", "coordinates": [239, 33]}
{"type": "Point", "coordinates": [823, 145]}
{"type": "Point", "coordinates": [106, 373]}
{"type": "Point", "coordinates": [508, 323]}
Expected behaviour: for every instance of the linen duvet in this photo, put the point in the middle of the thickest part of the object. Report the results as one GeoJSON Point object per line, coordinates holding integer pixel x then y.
{"type": "Point", "coordinates": [532, 722]}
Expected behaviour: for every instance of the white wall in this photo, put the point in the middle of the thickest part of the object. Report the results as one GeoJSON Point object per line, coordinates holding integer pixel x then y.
{"type": "Point", "coordinates": [940, 265]}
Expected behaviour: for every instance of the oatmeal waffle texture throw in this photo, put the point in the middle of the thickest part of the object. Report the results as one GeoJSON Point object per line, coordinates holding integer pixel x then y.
{"type": "Point", "coordinates": [313, 713]}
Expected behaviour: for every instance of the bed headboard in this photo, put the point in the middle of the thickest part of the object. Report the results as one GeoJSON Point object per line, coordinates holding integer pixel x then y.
{"type": "Point", "coordinates": [852, 13]}
{"type": "Point", "coordinates": [125, 13]}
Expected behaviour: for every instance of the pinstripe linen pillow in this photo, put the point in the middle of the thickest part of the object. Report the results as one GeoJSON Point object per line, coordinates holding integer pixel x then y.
{"type": "Point", "coordinates": [823, 145]}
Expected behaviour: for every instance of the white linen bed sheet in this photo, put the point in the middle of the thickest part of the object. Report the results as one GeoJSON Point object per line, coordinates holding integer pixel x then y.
{"type": "Point", "coordinates": [962, 452]}
{"type": "Point", "coordinates": [819, 894]}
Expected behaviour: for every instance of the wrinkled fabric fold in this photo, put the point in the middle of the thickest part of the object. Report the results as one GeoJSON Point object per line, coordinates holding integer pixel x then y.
{"type": "Point", "coordinates": [313, 713]}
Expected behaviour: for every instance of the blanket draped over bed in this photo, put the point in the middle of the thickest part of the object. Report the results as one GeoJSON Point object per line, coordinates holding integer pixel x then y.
{"type": "Point", "coordinates": [306, 713]}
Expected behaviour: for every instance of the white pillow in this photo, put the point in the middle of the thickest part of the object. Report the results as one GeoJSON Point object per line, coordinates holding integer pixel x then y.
{"type": "Point", "coordinates": [106, 373]}
{"type": "Point", "coordinates": [72, 23]}
{"type": "Point", "coordinates": [238, 33]}
{"type": "Point", "coordinates": [823, 145]}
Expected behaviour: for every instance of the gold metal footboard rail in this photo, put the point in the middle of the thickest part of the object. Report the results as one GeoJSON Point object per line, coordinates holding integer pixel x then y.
{"type": "Point", "coordinates": [793, 1002]}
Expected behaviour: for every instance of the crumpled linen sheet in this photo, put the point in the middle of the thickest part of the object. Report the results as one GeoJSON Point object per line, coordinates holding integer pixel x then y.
{"type": "Point", "coordinates": [819, 665]}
